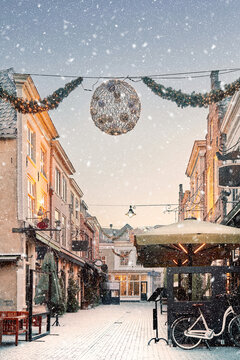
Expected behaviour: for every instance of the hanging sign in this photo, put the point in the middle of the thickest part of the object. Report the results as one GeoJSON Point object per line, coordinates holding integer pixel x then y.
{"type": "Point", "coordinates": [229, 176]}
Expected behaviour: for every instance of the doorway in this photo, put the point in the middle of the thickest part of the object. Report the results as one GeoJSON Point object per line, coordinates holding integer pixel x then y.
{"type": "Point", "coordinates": [143, 290]}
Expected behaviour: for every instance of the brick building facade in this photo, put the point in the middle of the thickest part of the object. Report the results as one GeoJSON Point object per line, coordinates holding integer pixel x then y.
{"type": "Point", "coordinates": [36, 183]}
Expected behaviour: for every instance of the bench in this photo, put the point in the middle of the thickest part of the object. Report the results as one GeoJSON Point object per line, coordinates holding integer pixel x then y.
{"type": "Point", "coordinates": [16, 322]}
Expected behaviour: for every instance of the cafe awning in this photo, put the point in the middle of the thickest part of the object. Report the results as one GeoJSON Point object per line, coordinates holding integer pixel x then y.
{"type": "Point", "coordinates": [189, 242]}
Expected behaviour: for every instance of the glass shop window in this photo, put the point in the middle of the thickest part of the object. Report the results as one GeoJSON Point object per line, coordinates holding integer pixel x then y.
{"type": "Point", "coordinates": [193, 287]}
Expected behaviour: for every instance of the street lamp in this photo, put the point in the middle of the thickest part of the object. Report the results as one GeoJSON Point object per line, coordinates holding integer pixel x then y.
{"type": "Point", "coordinates": [130, 212]}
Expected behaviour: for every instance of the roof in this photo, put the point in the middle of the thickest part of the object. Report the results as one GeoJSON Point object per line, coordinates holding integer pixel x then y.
{"type": "Point", "coordinates": [8, 115]}
{"type": "Point", "coordinates": [119, 234]}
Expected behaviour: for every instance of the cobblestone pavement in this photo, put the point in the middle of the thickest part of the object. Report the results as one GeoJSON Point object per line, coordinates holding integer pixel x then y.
{"type": "Point", "coordinates": [110, 332]}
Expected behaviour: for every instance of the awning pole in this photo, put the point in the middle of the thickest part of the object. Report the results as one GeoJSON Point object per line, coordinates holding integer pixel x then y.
{"type": "Point", "coordinates": [190, 259]}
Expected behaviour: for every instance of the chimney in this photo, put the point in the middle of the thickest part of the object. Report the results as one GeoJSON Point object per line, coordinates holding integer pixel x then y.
{"type": "Point", "coordinates": [215, 83]}
{"type": "Point", "coordinates": [180, 190]}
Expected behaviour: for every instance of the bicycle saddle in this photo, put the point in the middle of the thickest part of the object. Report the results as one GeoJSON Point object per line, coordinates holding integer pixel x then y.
{"type": "Point", "coordinates": [197, 305]}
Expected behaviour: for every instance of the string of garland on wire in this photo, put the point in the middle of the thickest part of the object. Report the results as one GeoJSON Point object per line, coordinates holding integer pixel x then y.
{"type": "Point", "coordinates": [125, 254]}
{"type": "Point", "coordinates": [194, 99]}
{"type": "Point", "coordinates": [36, 106]}
{"type": "Point", "coordinates": [180, 98]}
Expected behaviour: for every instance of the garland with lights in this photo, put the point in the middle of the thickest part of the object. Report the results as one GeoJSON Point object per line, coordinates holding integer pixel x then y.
{"type": "Point", "coordinates": [180, 98]}
{"type": "Point", "coordinates": [194, 99]}
{"type": "Point", "coordinates": [126, 253]}
{"type": "Point", "coordinates": [36, 106]}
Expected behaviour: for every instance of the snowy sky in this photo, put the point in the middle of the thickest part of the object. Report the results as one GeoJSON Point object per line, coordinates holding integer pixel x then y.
{"type": "Point", "coordinates": [120, 38]}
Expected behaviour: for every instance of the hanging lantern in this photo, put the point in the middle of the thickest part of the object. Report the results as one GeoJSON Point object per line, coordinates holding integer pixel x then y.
{"type": "Point", "coordinates": [115, 107]}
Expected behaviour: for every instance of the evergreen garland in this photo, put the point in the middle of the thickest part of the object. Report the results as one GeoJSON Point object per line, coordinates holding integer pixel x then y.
{"type": "Point", "coordinates": [194, 99]}
{"type": "Point", "coordinates": [180, 98]}
{"type": "Point", "coordinates": [49, 103]}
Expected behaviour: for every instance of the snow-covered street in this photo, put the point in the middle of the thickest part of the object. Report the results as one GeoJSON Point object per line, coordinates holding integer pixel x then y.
{"type": "Point", "coordinates": [110, 332]}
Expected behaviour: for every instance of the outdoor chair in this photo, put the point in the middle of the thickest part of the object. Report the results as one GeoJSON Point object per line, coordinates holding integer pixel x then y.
{"type": "Point", "coordinates": [9, 324]}
{"type": "Point", "coordinates": [14, 325]}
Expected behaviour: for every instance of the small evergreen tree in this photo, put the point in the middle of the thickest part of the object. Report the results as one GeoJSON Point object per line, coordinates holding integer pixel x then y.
{"type": "Point", "coordinates": [73, 289]}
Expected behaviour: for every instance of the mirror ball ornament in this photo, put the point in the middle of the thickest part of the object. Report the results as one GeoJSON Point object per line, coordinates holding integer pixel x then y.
{"type": "Point", "coordinates": [115, 107]}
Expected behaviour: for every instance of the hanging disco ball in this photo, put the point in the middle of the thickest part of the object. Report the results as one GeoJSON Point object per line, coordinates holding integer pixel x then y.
{"type": "Point", "coordinates": [115, 107]}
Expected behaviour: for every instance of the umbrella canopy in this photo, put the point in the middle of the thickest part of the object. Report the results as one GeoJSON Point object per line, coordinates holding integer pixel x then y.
{"type": "Point", "coordinates": [189, 242]}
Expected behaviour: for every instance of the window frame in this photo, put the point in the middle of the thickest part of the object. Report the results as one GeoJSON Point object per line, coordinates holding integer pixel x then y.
{"type": "Point", "coordinates": [57, 218]}
{"type": "Point", "coordinates": [124, 261]}
{"type": "Point", "coordinates": [64, 230]}
{"type": "Point", "coordinates": [43, 155]}
{"type": "Point", "coordinates": [64, 188]}
{"type": "Point", "coordinates": [57, 181]}
{"type": "Point", "coordinates": [31, 189]}
{"type": "Point", "coordinates": [31, 144]}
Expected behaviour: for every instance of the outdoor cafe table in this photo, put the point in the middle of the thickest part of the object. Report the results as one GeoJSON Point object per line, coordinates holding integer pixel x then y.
{"type": "Point", "coordinates": [14, 325]}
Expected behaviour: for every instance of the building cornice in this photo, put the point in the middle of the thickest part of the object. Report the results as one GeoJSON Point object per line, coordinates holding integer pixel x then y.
{"type": "Point", "coordinates": [60, 152]}
{"type": "Point", "coordinates": [25, 84]}
{"type": "Point", "coordinates": [76, 187]}
{"type": "Point", "coordinates": [231, 112]}
{"type": "Point", "coordinates": [197, 147]}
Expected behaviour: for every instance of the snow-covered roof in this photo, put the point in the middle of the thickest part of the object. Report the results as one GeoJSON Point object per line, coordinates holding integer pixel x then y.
{"type": "Point", "coordinates": [8, 115]}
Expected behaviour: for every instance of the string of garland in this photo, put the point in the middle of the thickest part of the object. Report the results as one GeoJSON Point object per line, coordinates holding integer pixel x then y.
{"type": "Point", "coordinates": [49, 103]}
{"type": "Point", "coordinates": [180, 98]}
{"type": "Point", "coordinates": [126, 253]}
{"type": "Point", "coordinates": [194, 99]}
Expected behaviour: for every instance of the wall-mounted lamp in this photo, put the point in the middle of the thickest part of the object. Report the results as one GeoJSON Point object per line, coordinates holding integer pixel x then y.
{"type": "Point", "coordinates": [130, 212]}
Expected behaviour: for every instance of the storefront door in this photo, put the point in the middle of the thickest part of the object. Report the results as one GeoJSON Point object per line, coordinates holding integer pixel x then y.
{"type": "Point", "coordinates": [143, 290]}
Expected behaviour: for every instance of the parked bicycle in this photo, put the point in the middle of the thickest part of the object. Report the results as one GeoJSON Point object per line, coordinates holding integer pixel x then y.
{"type": "Point", "coordinates": [189, 331]}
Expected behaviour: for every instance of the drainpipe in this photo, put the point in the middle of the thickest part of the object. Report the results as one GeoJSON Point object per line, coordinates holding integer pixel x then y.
{"type": "Point", "coordinates": [50, 188]}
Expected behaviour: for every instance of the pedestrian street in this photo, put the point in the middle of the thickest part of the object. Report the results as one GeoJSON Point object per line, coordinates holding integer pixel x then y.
{"type": "Point", "coordinates": [109, 332]}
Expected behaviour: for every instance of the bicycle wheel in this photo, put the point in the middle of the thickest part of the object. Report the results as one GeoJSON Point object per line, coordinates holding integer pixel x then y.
{"type": "Point", "coordinates": [181, 340]}
{"type": "Point", "coordinates": [234, 330]}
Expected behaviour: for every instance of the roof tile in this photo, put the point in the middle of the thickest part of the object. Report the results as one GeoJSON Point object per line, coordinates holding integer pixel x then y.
{"type": "Point", "coordinates": [8, 115]}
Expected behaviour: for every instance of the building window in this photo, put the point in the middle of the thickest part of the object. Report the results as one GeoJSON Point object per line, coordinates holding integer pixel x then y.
{"type": "Point", "coordinates": [124, 259]}
{"type": "Point", "coordinates": [64, 189]}
{"type": "Point", "coordinates": [43, 201]}
{"type": "Point", "coordinates": [129, 284]}
{"type": "Point", "coordinates": [123, 284]}
{"type": "Point", "coordinates": [103, 258]}
{"type": "Point", "coordinates": [43, 161]}
{"type": "Point", "coordinates": [31, 198]}
{"type": "Point", "coordinates": [64, 230]}
{"type": "Point", "coordinates": [77, 209]}
{"type": "Point", "coordinates": [57, 182]}
{"type": "Point", "coordinates": [196, 181]}
{"type": "Point", "coordinates": [72, 202]}
{"type": "Point", "coordinates": [90, 249]}
{"type": "Point", "coordinates": [57, 218]}
{"type": "Point", "coordinates": [31, 144]}
{"type": "Point", "coordinates": [133, 285]}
